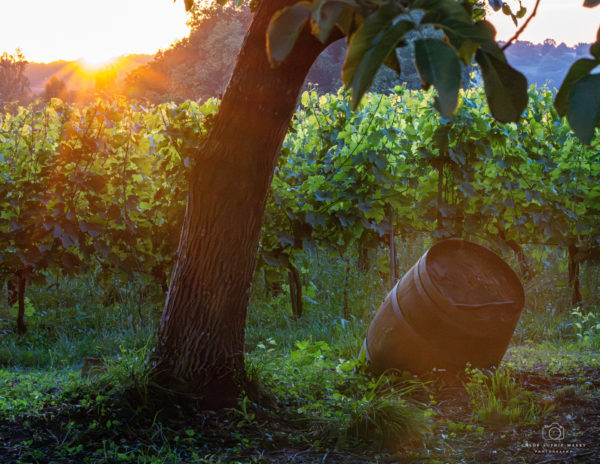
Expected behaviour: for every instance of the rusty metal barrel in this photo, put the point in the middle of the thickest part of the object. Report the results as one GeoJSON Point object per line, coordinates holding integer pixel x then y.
{"type": "Point", "coordinates": [459, 304]}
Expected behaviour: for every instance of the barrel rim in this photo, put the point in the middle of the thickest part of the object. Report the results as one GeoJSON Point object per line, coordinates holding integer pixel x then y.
{"type": "Point", "coordinates": [436, 293]}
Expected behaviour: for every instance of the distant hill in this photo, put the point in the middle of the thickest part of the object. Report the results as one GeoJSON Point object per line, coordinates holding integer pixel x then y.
{"type": "Point", "coordinates": [74, 73]}
{"type": "Point", "coordinates": [199, 66]}
{"type": "Point", "coordinates": [545, 63]}
{"type": "Point", "coordinates": [184, 70]}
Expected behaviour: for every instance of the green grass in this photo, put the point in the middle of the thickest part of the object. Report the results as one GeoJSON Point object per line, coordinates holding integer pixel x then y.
{"type": "Point", "coordinates": [28, 391]}
{"type": "Point", "coordinates": [76, 318]}
{"type": "Point", "coordinates": [498, 398]}
{"type": "Point", "coordinates": [321, 398]}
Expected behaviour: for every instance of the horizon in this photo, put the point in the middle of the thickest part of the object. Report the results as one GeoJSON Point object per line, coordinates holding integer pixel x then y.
{"type": "Point", "coordinates": [109, 61]}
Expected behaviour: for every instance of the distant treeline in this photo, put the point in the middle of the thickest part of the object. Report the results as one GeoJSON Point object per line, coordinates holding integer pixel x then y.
{"type": "Point", "coordinates": [545, 63]}
{"type": "Point", "coordinates": [198, 67]}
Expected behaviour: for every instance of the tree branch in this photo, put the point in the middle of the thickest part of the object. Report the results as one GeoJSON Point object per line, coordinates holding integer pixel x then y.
{"type": "Point", "coordinates": [523, 27]}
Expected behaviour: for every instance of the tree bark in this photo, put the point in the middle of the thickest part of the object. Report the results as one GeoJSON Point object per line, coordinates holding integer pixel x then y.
{"type": "Point", "coordinates": [521, 257]}
{"type": "Point", "coordinates": [295, 291]}
{"type": "Point", "coordinates": [393, 260]}
{"type": "Point", "coordinates": [200, 349]}
{"type": "Point", "coordinates": [345, 305]}
{"type": "Point", "coordinates": [11, 291]}
{"type": "Point", "coordinates": [21, 327]}
{"type": "Point", "coordinates": [364, 263]}
{"type": "Point", "coordinates": [517, 249]}
{"type": "Point", "coordinates": [576, 297]}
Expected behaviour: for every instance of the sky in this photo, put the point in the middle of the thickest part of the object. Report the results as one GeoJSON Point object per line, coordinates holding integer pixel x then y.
{"type": "Point", "coordinates": [562, 20]}
{"type": "Point", "coordinates": [96, 30]}
{"type": "Point", "coordinates": [92, 30]}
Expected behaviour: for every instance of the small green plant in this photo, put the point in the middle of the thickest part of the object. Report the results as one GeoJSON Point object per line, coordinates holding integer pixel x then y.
{"type": "Point", "coordinates": [27, 392]}
{"type": "Point", "coordinates": [586, 327]}
{"type": "Point", "coordinates": [384, 422]}
{"type": "Point", "coordinates": [130, 370]}
{"type": "Point", "coordinates": [338, 403]}
{"type": "Point", "coordinates": [497, 398]}
{"type": "Point", "coordinates": [29, 308]}
{"type": "Point", "coordinates": [384, 416]}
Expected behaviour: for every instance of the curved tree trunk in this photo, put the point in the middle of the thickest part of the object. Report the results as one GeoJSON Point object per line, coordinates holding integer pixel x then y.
{"type": "Point", "coordinates": [201, 333]}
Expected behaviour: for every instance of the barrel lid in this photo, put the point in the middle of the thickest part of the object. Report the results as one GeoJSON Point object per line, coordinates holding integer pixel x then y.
{"type": "Point", "coordinates": [471, 277]}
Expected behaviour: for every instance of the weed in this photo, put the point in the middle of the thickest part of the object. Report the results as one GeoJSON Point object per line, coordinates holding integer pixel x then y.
{"type": "Point", "coordinates": [586, 327]}
{"type": "Point", "coordinates": [131, 368]}
{"type": "Point", "coordinates": [27, 392]}
{"type": "Point", "coordinates": [497, 398]}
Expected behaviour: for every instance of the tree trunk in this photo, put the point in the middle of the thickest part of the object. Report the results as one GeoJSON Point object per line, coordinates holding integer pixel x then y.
{"type": "Point", "coordinates": [364, 263]}
{"type": "Point", "coordinates": [393, 260]}
{"type": "Point", "coordinates": [520, 254]}
{"type": "Point", "coordinates": [441, 222]}
{"type": "Point", "coordinates": [21, 327]}
{"type": "Point", "coordinates": [159, 274]}
{"type": "Point", "coordinates": [201, 335]}
{"type": "Point", "coordinates": [295, 290]}
{"type": "Point", "coordinates": [12, 291]}
{"type": "Point", "coordinates": [521, 257]}
{"type": "Point", "coordinates": [345, 305]}
{"type": "Point", "coordinates": [574, 275]}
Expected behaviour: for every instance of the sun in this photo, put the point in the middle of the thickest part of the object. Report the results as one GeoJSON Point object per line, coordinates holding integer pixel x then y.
{"type": "Point", "coordinates": [93, 66]}
{"type": "Point", "coordinates": [97, 60]}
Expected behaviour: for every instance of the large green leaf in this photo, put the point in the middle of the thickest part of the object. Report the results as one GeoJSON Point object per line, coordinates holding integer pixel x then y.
{"type": "Point", "coordinates": [361, 41]}
{"type": "Point", "coordinates": [458, 25]}
{"type": "Point", "coordinates": [370, 47]}
{"type": "Point", "coordinates": [505, 87]}
{"type": "Point", "coordinates": [383, 46]}
{"type": "Point", "coordinates": [438, 64]}
{"type": "Point", "coordinates": [584, 107]}
{"type": "Point", "coordinates": [579, 69]}
{"type": "Point", "coordinates": [393, 63]}
{"type": "Point", "coordinates": [284, 29]}
{"type": "Point", "coordinates": [595, 48]}
{"type": "Point", "coordinates": [324, 18]}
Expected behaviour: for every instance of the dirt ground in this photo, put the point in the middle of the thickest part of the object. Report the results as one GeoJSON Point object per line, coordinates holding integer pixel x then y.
{"type": "Point", "coordinates": [571, 433]}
